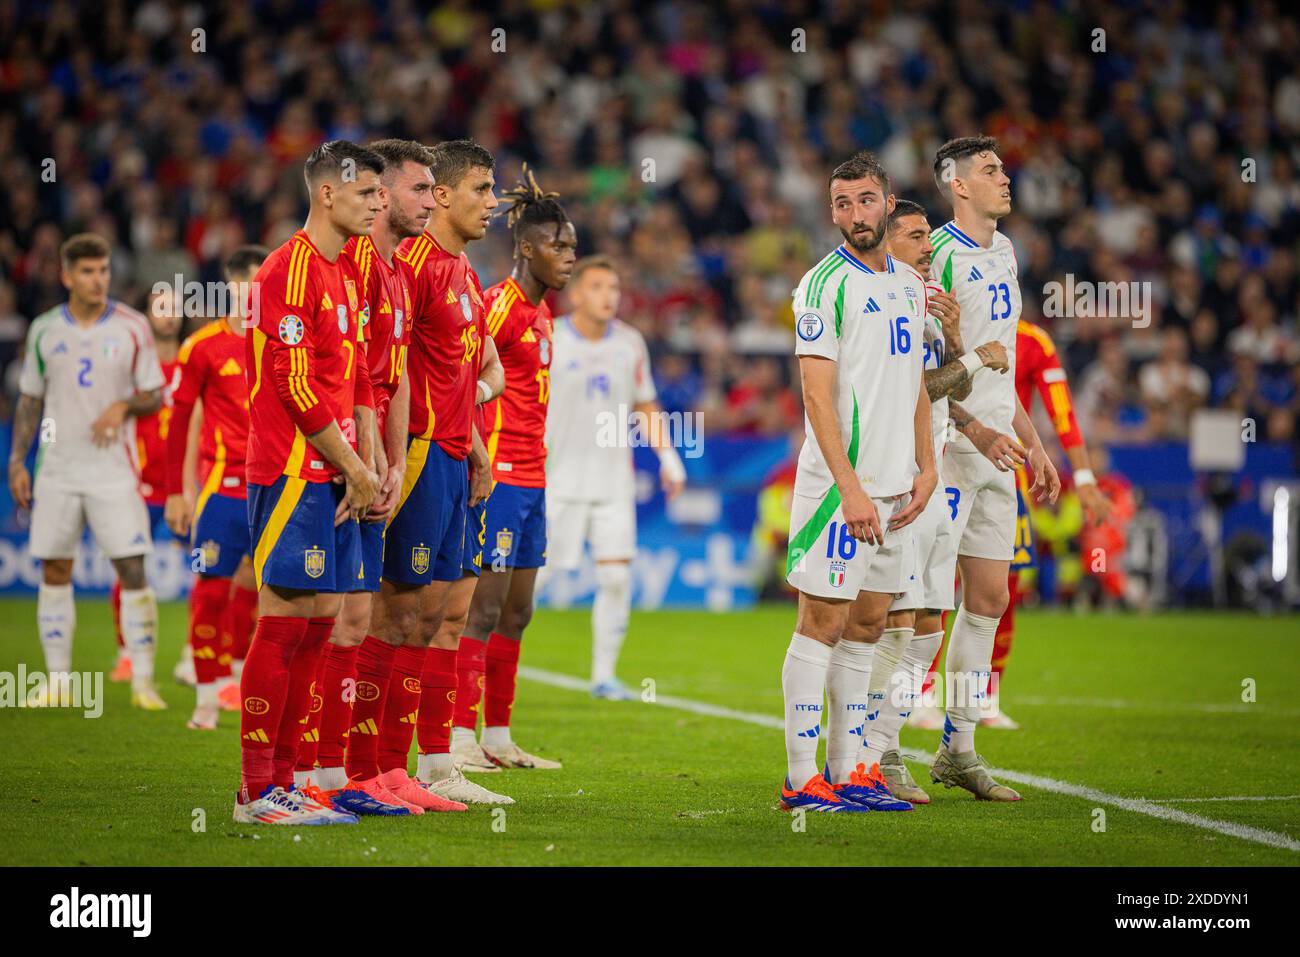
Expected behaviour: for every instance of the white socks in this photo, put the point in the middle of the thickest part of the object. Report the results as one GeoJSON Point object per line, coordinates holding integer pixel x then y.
{"type": "Point", "coordinates": [609, 615]}
{"type": "Point", "coordinates": [463, 736]}
{"type": "Point", "coordinates": [433, 767]}
{"type": "Point", "coordinates": [803, 682]}
{"type": "Point", "coordinates": [848, 681]}
{"type": "Point", "coordinates": [56, 619]}
{"type": "Point", "coordinates": [496, 738]}
{"type": "Point", "coordinates": [139, 627]}
{"type": "Point", "coordinates": [883, 721]}
{"type": "Point", "coordinates": [970, 654]}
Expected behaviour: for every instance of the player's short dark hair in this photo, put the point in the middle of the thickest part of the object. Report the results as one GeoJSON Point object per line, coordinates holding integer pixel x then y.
{"type": "Point", "coordinates": [859, 166]}
{"type": "Point", "coordinates": [396, 153]}
{"type": "Point", "coordinates": [953, 152]}
{"type": "Point", "coordinates": [244, 258]}
{"type": "Point", "coordinates": [452, 159]}
{"type": "Point", "coordinates": [587, 263]}
{"type": "Point", "coordinates": [332, 158]}
{"type": "Point", "coordinates": [906, 207]}
{"type": "Point", "coordinates": [83, 246]}
{"type": "Point", "coordinates": [531, 206]}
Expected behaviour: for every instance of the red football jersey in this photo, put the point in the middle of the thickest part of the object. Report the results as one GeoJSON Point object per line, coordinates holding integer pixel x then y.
{"type": "Point", "coordinates": [212, 369]}
{"type": "Point", "coordinates": [385, 321]}
{"type": "Point", "coordinates": [1038, 366]}
{"type": "Point", "coordinates": [447, 331]}
{"type": "Point", "coordinates": [516, 439]}
{"type": "Point", "coordinates": [301, 355]}
{"type": "Point", "coordinates": [151, 441]}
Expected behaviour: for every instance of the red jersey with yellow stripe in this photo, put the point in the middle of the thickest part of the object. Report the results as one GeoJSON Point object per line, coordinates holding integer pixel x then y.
{"type": "Point", "coordinates": [516, 439]}
{"type": "Point", "coordinates": [447, 330]}
{"type": "Point", "coordinates": [151, 442]}
{"type": "Point", "coordinates": [302, 363]}
{"type": "Point", "coordinates": [385, 321]}
{"type": "Point", "coordinates": [1039, 367]}
{"type": "Point", "coordinates": [211, 369]}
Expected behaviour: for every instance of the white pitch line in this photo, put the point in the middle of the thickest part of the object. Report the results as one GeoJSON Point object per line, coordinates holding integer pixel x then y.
{"type": "Point", "coordinates": [1137, 805]}
{"type": "Point", "coordinates": [1235, 797]}
{"type": "Point", "coordinates": [1121, 704]}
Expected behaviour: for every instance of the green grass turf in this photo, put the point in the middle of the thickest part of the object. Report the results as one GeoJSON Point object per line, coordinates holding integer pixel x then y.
{"type": "Point", "coordinates": [653, 785]}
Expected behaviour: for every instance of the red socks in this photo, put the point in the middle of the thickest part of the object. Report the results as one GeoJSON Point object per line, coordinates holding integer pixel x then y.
{"type": "Point", "coordinates": [471, 662]}
{"type": "Point", "coordinates": [298, 698]}
{"type": "Point", "coordinates": [499, 688]}
{"type": "Point", "coordinates": [263, 687]}
{"type": "Point", "coordinates": [437, 701]}
{"type": "Point", "coordinates": [401, 708]}
{"type": "Point", "coordinates": [237, 625]}
{"type": "Point", "coordinates": [207, 607]}
{"type": "Point", "coordinates": [115, 603]}
{"type": "Point", "coordinates": [1006, 630]}
{"type": "Point", "coordinates": [339, 668]}
{"type": "Point", "coordinates": [374, 668]}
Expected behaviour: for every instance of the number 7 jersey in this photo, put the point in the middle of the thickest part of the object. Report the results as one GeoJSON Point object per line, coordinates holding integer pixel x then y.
{"type": "Point", "coordinates": [871, 324]}
{"type": "Point", "coordinates": [986, 286]}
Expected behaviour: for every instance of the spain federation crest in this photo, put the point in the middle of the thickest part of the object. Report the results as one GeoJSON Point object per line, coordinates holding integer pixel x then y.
{"type": "Point", "coordinates": [420, 559]}
{"type": "Point", "coordinates": [505, 541]}
{"type": "Point", "coordinates": [351, 286]}
{"type": "Point", "coordinates": [314, 562]}
{"type": "Point", "coordinates": [837, 574]}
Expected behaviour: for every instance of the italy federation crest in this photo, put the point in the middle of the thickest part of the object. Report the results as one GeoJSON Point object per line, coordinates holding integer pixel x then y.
{"type": "Point", "coordinates": [837, 574]}
{"type": "Point", "coordinates": [505, 541]}
{"type": "Point", "coordinates": [420, 559]}
{"type": "Point", "coordinates": [314, 562]}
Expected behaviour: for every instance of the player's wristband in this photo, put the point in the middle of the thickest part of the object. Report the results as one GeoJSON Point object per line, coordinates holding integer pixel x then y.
{"type": "Point", "coordinates": [670, 464]}
{"type": "Point", "coordinates": [1084, 477]}
{"type": "Point", "coordinates": [484, 392]}
{"type": "Point", "coordinates": [972, 362]}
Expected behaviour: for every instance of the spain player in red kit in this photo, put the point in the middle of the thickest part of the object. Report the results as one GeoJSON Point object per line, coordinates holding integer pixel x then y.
{"type": "Point", "coordinates": [407, 195]}
{"type": "Point", "coordinates": [210, 369]}
{"type": "Point", "coordinates": [303, 373]}
{"type": "Point", "coordinates": [452, 365]}
{"type": "Point", "coordinates": [519, 322]}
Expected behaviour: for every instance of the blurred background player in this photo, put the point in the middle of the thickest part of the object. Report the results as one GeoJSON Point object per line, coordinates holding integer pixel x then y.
{"type": "Point", "coordinates": [600, 373]}
{"type": "Point", "coordinates": [89, 372]}
{"type": "Point", "coordinates": [211, 371]}
{"type": "Point", "coordinates": [409, 657]}
{"type": "Point", "coordinates": [519, 322]}
{"type": "Point", "coordinates": [302, 372]}
{"type": "Point", "coordinates": [165, 320]}
{"type": "Point", "coordinates": [976, 263]}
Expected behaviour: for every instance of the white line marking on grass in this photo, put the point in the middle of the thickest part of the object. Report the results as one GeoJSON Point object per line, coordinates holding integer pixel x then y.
{"type": "Point", "coordinates": [1235, 797]}
{"type": "Point", "coordinates": [1137, 805]}
{"type": "Point", "coordinates": [1121, 704]}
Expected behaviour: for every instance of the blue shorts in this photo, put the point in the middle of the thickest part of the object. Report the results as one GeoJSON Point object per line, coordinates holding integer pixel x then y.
{"type": "Point", "coordinates": [220, 535]}
{"type": "Point", "coordinates": [372, 556]}
{"type": "Point", "coordinates": [471, 558]}
{"type": "Point", "coordinates": [425, 540]}
{"type": "Point", "coordinates": [297, 545]}
{"type": "Point", "coordinates": [516, 527]}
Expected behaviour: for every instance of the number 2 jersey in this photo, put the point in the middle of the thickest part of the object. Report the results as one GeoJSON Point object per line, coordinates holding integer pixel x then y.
{"type": "Point", "coordinates": [302, 363]}
{"type": "Point", "coordinates": [986, 287]}
{"type": "Point", "coordinates": [871, 324]}
{"type": "Point", "coordinates": [79, 371]}
{"type": "Point", "coordinates": [516, 421]}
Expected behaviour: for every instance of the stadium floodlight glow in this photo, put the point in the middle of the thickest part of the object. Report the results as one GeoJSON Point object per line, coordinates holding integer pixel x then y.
{"type": "Point", "coordinates": [1281, 532]}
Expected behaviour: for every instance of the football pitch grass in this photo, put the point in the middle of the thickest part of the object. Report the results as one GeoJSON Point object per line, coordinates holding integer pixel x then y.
{"type": "Point", "coordinates": [1136, 749]}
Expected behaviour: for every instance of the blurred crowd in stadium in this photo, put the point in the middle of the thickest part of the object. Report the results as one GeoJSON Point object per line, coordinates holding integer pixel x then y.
{"type": "Point", "coordinates": [692, 140]}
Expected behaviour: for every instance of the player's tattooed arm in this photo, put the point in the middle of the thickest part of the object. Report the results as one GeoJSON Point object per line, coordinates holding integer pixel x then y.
{"type": "Point", "coordinates": [27, 419]}
{"type": "Point", "coordinates": [946, 380]}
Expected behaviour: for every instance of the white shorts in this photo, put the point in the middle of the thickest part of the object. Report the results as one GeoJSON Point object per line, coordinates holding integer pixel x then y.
{"type": "Point", "coordinates": [826, 561]}
{"type": "Point", "coordinates": [117, 517]}
{"type": "Point", "coordinates": [936, 555]}
{"type": "Point", "coordinates": [986, 505]}
{"type": "Point", "coordinates": [610, 527]}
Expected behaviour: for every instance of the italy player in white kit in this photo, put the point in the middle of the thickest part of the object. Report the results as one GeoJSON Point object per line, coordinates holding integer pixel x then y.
{"type": "Point", "coordinates": [90, 368]}
{"type": "Point", "coordinates": [977, 264]}
{"type": "Point", "coordinates": [600, 376]}
{"type": "Point", "coordinates": [866, 471]}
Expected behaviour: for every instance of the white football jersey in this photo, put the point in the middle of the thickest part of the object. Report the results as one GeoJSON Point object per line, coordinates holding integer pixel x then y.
{"type": "Point", "coordinates": [935, 347]}
{"type": "Point", "coordinates": [79, 371]}
{"type": "Point", "coordinates": [986, 286]}
{"type": "Point", "coordinates": [595, 386]}
{"type": "Point", "coordinates": [871, 324]}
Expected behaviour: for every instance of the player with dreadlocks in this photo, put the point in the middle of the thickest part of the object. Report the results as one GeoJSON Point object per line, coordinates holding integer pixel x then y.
{"type": "Point", "coordinates": [519, 321]}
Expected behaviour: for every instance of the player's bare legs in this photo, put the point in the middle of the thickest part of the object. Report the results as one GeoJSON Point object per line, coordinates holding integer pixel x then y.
{"type": "Point", "coordinates": [970, 651]}
{"type": "Point", "coordinates": [139, 630]}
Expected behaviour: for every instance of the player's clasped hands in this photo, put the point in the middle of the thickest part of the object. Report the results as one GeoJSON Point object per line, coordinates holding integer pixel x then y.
{"type": "Point", "coordinates": [362, 489]}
